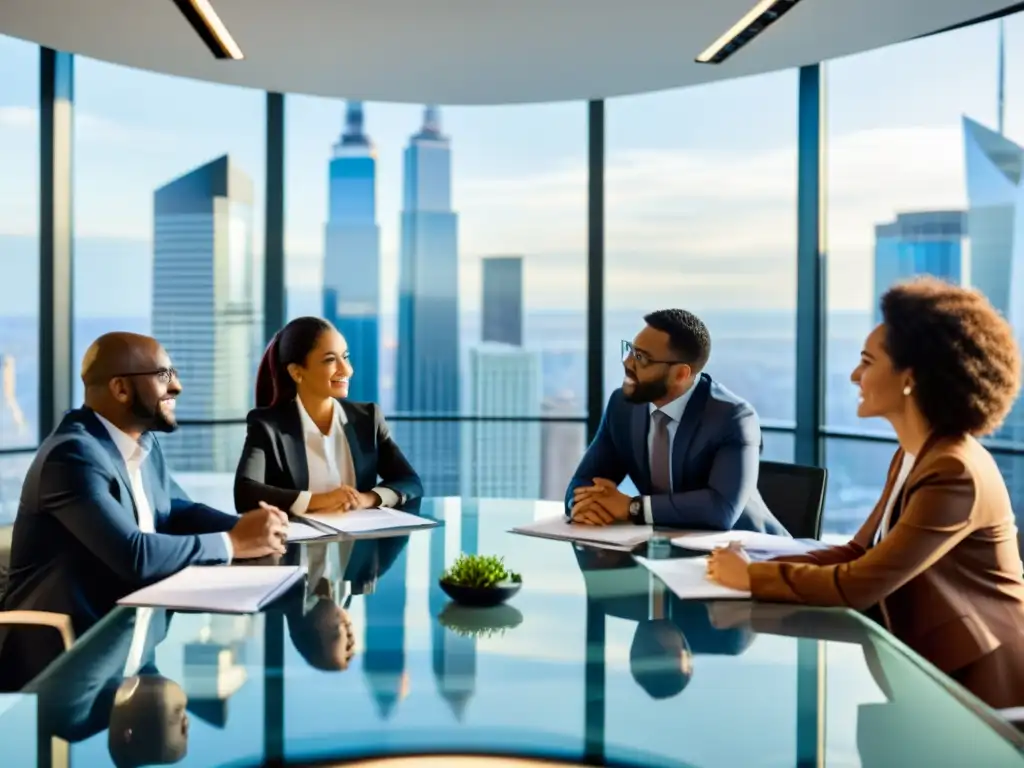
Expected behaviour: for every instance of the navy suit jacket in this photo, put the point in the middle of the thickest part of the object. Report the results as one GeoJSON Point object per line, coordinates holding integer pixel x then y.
{"type": "Point", "coordinates": [77, 548]}
{"type": "Point", "coordinates": [273, 467]}
{"type": "Point", "coordinates": [77, 694]}
{"type": "Point", "coordinates": [715, 460]}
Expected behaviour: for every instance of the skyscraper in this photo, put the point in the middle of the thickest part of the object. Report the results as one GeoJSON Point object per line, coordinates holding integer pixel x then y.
{"type": "Point", "coordinates": [562, 444]}
{"type": "Point", "coordinates": [384, 637]}
{"type": "Point", "coordinates": [503, 300]}
{"type": "Point", "coordinates": [351, 298]}
{"type": "Point", "coordinates": [502, 458]}
{"type": "Point", "coordinates": [995, 191]}
{"type": "Point", "coordinates": [208, 305]}
{"type": "Point", "coordinates": [453, 654]}
{"type": "Point", "coordinates": [918, 243]}
{"type": "Point", "coordinates": [428, 309]}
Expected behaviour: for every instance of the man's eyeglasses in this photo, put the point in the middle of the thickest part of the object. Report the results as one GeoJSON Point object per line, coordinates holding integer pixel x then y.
{"type": "Point", "coordinates": [642, 359]}
{"type": "Point", "coordinates": [163, 375]}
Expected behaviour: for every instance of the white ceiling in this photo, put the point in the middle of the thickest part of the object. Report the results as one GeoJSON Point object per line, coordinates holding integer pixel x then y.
{"type": "Point", "coordinates": [472, 51]}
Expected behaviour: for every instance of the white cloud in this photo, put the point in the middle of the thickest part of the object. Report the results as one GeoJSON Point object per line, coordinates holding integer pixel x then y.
{"type": "Point", "coordinates": [716, 225]}
{"type": "Point", "coordinates": [18, 117]}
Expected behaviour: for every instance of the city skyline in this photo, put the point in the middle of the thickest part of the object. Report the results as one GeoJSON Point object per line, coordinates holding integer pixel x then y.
{"type": "Point", "coordinates": [494, 190]}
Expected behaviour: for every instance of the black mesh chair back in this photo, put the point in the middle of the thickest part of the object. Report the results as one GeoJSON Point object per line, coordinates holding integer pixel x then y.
{"type": "Point", "coordinates": [795, 494]}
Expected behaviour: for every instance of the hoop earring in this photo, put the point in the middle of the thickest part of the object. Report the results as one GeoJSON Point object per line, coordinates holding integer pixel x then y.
{"type": "Point", "coordinates": [907, 390]}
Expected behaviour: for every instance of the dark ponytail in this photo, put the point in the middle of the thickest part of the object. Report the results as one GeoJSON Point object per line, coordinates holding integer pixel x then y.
{"type": "Point", "coordinates": [292, 344]}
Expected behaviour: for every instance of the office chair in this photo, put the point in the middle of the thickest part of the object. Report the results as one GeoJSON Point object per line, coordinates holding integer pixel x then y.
{"type": "Point", "coordinates": [795, 494]}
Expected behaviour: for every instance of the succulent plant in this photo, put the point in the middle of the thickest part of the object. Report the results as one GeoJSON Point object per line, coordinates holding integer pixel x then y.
{"type": "Point", "coordinates": [480, 571]}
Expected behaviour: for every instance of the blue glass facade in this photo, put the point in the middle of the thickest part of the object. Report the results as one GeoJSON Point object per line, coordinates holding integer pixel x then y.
{"type": "Point", "coordinates": [427, 359]}
{"type": "Point", "coordinates": [919, 243]}
{"type": "Point", "coordinates": [351, 293]}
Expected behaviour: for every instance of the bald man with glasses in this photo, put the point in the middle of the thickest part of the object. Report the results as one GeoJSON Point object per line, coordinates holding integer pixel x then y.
{"type": "Point", "coordinates": [100, 515]}
{"type": "Point", "coordinates": [691, 447]}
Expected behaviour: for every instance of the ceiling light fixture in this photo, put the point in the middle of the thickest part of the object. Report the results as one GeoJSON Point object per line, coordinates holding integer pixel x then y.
{"type": "Point", "coordinates": [757, 19]}
{"type": "Point", "coordinates": [210, 28]}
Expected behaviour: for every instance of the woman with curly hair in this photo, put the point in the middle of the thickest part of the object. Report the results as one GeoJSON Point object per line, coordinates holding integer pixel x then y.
{"type": "Point", "coordinates": [937, 561]}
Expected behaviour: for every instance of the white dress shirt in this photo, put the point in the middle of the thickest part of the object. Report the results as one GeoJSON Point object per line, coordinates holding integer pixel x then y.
{"type": "Point", "coordinates": [897, 488]}
{"type": "Point", "coordinates": [329, 460]}
{"type": "Point", "coordinates": [134, 455]}
{"type": "Point", "coordinates": [674, 410]}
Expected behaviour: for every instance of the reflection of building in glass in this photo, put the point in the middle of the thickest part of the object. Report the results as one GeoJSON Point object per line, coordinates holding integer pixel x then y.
{"type": "Point", "coordinates": [12, 419]}
{"type": "Point", "coordinates": [384, 660]}
{"type": "Point", "coordinates": [918, 243]}
{"type": "Point", "coordinates": [352, 252]}
{"type": "Point", "coordinates": [428, 308]}
{"type": "Point", "coordinates": [454, 655]}
{"type": "Point", "coordinates": [995, 193]}
{"type": "Point", "coordinates": [502, 458]}
{"type": "Point", "coordinates": [561, 445]}
{"type": "Point", "coordinates": [208, 304]}
{"type": "Point", "coordinates": [503, 300]}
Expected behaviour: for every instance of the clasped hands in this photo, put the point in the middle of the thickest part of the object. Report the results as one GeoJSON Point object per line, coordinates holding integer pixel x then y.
{"type": "Point", "coordinates": [344, 498]}
{"type": "Point", "coordinates": [728, 567]}
{"type": "Point", "coordinates": [599, 504]}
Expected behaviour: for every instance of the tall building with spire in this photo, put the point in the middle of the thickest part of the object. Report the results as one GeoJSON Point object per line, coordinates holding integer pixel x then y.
{"type": "Point", "coordinates": [453, 654]}
{"type": "Point", "coordinates": [995, 220]}
{"type": "Point", "coordinates": [351, 269]}
{"type": "Point", "coordinates": [428, 309]}
{"type": "Point", "coordinates": [384, 638]}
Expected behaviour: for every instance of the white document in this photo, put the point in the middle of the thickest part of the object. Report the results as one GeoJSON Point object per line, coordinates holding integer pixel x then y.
{"type": "Point", "coordinates": [688, 579]}
{"type": "Point", "coordinates": [620, 534]}
{"type": "Point", "coordinates": [218, 588]}
{"type": "Point", "coordinates": [762, 543]}
{"type": "Point", "coordinates": [299, 531]}
{"type": "Point", "coordinates": [370, 520]}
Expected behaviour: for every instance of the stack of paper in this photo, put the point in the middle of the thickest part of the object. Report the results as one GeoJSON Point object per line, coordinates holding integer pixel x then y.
{"type": "Point", "coordinates": [366, 521]}
{"type": "Point", "coordinates": [762, 543]}
{"type": "Point", "coordinates": [218, 588]}
{"type": "Point", "coordinates": [300, 531]}
{"type": "Point", "coordinates": [623, 535]}
{"type": "Point", "coordinates": [687, 578]}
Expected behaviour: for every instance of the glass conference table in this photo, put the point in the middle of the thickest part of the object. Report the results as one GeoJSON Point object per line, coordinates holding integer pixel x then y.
{"type": "Point", "coordinates": [592, 662]}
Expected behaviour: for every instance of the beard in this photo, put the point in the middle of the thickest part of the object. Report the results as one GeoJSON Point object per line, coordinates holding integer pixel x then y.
{"type": "Point", "coordinates": [647, 391]}
{"type": "Point", "coordinates": [153, 416]}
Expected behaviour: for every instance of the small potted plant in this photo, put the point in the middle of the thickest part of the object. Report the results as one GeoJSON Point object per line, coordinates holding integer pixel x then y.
{"type": "Point", "coordinates": [480, 580]}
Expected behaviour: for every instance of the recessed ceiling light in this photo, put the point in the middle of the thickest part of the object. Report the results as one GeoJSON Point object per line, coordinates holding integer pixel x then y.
{"type": "Point", "coordinates": [756, 20]}
{"type": "Point", "coordinates": [210, 28]}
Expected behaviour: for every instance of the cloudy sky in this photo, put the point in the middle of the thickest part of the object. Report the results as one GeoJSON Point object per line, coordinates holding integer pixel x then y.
{"type": "Point", "coordinates": [701, 182]}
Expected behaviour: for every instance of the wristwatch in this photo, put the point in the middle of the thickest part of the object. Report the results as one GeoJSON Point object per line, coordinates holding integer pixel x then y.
{"type": "Point", "coordinates": [636, 510]}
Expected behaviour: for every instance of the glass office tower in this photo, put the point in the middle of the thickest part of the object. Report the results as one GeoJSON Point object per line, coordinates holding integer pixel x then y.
{"type": "Point", "coordinates": [428, 309]}
{"type": "Point", "coordinates": [352, 252]}
{"type": "Point", "coordinates": [918, 243]}
{"type": "Point", "coordinates": [995, 195]}
{"type": "Point", "coordinates": [208, 306]}
{"type": "Point", "coordinates": [503, 300]}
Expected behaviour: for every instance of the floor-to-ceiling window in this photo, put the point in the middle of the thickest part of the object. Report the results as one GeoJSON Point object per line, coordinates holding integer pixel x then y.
{"type": "Point", "coordinates": [701, 214]}
{"type": "Point", "coordinates": [925, 146]}
{"type": "Point", "coordinates": [448, 244]}
{"type": "Point", "coordinates": [168, 191]}
{"type": "Point", "coordinates": [19, 263]}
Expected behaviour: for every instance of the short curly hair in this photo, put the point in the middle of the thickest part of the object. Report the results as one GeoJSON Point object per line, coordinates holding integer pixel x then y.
{"type": "Point", "coordinates": [962, 353]}
{"type": "Point", "coordinates": [688, 337]}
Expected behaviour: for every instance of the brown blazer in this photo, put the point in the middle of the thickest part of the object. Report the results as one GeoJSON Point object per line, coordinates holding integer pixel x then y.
{"type": "Point", "coordinates": [947, 578]}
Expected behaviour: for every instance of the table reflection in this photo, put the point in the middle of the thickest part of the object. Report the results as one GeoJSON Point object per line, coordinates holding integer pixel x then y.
{"type": "Point", "coordinates": [593, 661]}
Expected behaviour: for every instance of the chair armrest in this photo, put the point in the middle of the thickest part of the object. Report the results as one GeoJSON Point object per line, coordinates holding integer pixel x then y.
{"type": "Point", "coordinates": [58, 621]}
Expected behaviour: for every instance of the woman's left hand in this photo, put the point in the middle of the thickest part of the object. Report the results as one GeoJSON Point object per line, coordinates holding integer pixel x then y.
{"type": "Point", "coordinates": [728, 566]}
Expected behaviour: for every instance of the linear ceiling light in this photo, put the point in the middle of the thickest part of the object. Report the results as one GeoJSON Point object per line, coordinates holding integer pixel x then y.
{"type": "Point", "coordinates": [210, 28]}
{"type": "Point", "coordinates": [746, 29]}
